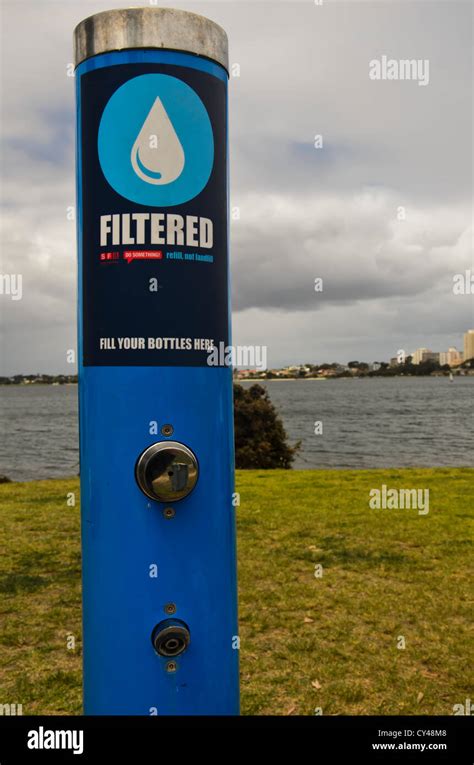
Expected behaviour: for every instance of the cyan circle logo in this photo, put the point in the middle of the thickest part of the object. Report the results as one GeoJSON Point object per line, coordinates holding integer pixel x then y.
{"type": "Point", "coordinates": [155, 142]}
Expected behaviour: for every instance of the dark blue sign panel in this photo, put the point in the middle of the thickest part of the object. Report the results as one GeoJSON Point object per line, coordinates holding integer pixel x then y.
{"type": "Point", "coordinates": [154, 227]}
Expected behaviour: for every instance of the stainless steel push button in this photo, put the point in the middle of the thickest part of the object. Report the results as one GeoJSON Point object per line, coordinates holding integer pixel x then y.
{"type": "Point", "coordinates": [167, 471]}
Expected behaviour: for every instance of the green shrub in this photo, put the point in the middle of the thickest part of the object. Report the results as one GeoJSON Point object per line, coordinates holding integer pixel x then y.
{"type": "Point", "coordinates": [260, 438]}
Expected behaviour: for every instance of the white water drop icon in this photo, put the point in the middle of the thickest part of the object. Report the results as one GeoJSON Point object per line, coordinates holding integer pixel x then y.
{"type": "Point", "coordinates": [157, 155]}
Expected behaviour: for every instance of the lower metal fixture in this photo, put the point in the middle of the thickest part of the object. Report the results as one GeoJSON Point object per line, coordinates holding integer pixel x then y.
{"type": "Point", "coordinates": [171, 637]}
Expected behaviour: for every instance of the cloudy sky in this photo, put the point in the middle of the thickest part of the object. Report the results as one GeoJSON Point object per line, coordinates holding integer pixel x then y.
{"type": "Point", "coordinates": [382, 212]}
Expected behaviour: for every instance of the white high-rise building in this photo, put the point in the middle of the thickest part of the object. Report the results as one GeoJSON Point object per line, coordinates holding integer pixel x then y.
{"type": "Point", "coordinates": [417, 356]}
{"type": "Point", "coordinates": [452, 356]}
{"type": "Point", "coordinates": [469, 344]}
{"type": "Point", "coordinates": [423, 354]}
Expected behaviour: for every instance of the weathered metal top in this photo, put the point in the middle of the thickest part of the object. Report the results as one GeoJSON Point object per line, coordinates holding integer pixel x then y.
{"type": "Point", "coordinates": [150, 27]}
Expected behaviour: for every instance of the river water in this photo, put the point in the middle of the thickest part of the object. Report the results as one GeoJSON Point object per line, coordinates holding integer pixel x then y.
{"type": "Point", "coordinates": [366, 423]}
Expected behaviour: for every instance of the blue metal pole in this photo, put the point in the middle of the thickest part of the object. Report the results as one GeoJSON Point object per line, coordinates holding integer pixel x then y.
{"type": "Point", "coordinates": [156, 434]}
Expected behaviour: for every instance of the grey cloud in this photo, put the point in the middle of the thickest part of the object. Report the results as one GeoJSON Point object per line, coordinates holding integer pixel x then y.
{"type": "Point", "coordinates": [356, 244]}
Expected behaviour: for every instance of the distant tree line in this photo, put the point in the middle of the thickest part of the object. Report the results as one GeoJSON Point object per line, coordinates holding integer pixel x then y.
{"type": "Point", "coordinates": [423, 368]}
{"type": "Point", "coordinates": [38, 379]}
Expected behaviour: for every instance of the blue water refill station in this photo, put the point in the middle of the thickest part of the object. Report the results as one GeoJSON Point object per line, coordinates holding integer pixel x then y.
{"type": "Point", "coordinates": [156, 432]}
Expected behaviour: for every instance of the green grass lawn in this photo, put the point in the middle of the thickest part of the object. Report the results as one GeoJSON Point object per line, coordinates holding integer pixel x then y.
{"type": "Point", "coordinates": [308, 643]}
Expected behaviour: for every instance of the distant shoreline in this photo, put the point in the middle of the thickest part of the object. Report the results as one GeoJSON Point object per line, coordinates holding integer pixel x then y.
{"type": "Point", "coordinates": [346, 377]}
{"type": "Point", "coordinates": [468, 373]}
